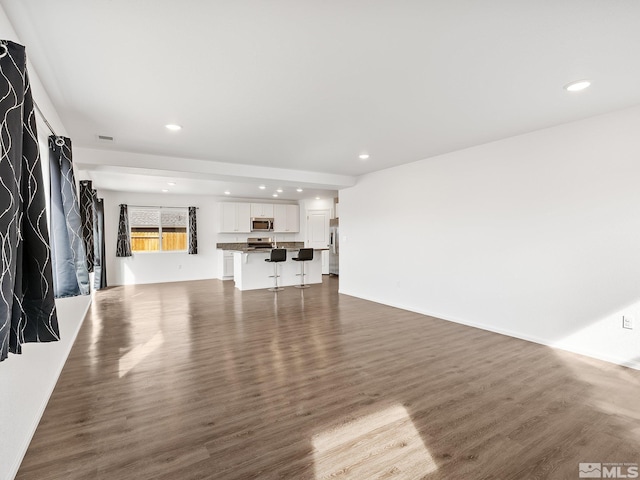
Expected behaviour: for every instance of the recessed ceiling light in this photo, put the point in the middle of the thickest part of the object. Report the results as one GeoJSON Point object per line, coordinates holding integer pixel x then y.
{"type": "Point", "coordinates": [274, 195]}
{"type": "Point", "coordinates": [227, 192]}
{"type": "Point", "coordinates": [363, 156]}
{"type": "Point", "coordinates": [317, 198]}
{"type": "Point", "coordinates": [164, 190]}
{"type": "Point", "coordinates": [298, 190]}
{"type": "Point", "coordinates": [262, 187]}
{"type": "Point", "coordinates": [171, 183]}
{"type": "Point", "coordinates": [173, 127]}
{"type": "Point", "coordinates": [577, 86]}
{"type": "Point", "coordinates": [279, 190]}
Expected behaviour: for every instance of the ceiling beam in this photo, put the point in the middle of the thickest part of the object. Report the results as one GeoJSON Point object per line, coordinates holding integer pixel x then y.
{"type": "Point", "coordinates": [157, 165]}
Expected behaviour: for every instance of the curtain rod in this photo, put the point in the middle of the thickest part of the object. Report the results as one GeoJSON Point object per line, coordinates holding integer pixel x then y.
{"type": "Point", "coordinates": [46, 122]}
{"type": "Point", "coordinates": [151, 206]}
{"type": "Point", "coordinates": [3, 44]}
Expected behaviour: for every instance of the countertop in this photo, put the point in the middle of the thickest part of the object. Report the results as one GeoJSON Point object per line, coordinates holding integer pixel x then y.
{"type": "Point", "coordinates": [266, 250]}
{"type": "Point", "coordinates": [242, 247]}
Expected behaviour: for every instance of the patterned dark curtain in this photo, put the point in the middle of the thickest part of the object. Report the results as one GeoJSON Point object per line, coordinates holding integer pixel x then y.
{"type": "Point", "coordinates": [99, 267]}
{"type": "Point", "coordinates": [123, 246]}
{"type": "Point", "coordinates": [86, 217]}
{"type": "Point", "coordinates": [27, 307]}
{"type": "Point", "coordinates": [193, 232]}
{"type": "Point", "coordinates": [68, 257]}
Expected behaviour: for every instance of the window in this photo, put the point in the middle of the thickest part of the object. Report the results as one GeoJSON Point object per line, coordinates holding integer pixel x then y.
{"type": "Point", "coordinates": [158, 229]}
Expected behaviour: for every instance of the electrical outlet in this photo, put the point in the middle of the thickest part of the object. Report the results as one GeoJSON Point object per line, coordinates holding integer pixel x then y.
{"type": "Point", "coordinates": [627, 322]}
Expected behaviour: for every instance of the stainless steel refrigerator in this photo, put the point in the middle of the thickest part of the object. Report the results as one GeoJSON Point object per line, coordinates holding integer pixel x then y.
{"type": "Point", "coordinates": [334, 247]}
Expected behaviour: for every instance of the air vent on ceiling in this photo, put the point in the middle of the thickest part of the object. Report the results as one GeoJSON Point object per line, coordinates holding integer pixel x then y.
{"type": "Point", "coordinates": [105, 138]}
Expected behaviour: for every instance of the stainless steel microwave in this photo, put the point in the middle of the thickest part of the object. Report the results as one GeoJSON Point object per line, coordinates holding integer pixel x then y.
{"type": "Point", "coordinates": [262, 224]}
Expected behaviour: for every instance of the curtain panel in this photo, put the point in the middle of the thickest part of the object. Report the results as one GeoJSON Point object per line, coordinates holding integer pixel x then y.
{"type": "Point", "coordinates": [86, 218]}
{"type": "Point", "coordinates": [123, 245]}
{"type": "Point", "coordinates": [193, 232]}
{"type": "Point", "coordinates": [68, 257]}
{"type": "Point", "coordinates": [99, 264]}
{"type": "Point", "coordinates": [27, 306]}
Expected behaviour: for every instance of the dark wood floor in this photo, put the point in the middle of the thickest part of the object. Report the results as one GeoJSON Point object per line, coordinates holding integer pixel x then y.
{"type": "Point", "coordinates": [196, 380]}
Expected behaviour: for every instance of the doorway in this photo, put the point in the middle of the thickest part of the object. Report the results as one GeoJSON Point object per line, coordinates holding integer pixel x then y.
{"type": "Point", "coordinates": [317, 234]}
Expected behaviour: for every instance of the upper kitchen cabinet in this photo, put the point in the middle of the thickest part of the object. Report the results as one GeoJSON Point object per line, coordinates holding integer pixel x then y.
{"type": "Point", "coordinates": [235, 217]}
{"type": "Point", "coordinates": [286, 218]}
{"type": "Point", "coordinates": [261, 210]}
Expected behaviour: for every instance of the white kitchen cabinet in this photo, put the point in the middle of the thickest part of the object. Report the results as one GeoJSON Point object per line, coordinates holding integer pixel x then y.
{"type": "Point", "coordinates": [325, 262]}
{"type": "Point", "coordinates": [286, 218]}
{"type": "Point", "coordinates": [293, 218]}
{"type": "Point", "coordinates": [227, 272]}
{"type": "Point", "coordinates": [235, 217]}
{"type": "Point", "coordinates": [279, 218]}
{"type": "Point", "coordinates": [225, 264]}
{"type": "Point", "coordinates": [262, 210]}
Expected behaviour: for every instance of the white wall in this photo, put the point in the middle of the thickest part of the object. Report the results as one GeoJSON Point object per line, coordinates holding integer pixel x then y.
{"type": "Point", "coordinates": [313, 204]}
{"type": "Point", "coordinates": [536, 236]}
{"type": "Point", "coordinates": [172, 266]}
{"type": "Point", "coordinates": [319, 204]}
{"type": "Point", "coordinates": [27, 381]}
{"type": "Point", "coordinates": [162, 266]}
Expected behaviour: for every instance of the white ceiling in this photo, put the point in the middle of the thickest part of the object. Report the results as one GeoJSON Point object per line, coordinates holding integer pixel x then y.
{"type": "Point", "coordinates": [306, 86]}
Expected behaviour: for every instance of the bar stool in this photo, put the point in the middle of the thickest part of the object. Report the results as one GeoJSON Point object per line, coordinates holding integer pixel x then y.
{"type": "Point", "coordinates": [304, 255]}
{"type": "Point", "coordinates": [277, 255]}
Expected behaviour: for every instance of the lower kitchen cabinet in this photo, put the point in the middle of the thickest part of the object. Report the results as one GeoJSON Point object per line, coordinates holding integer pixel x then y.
{"type": "Point", "coordinates": [225, 264]}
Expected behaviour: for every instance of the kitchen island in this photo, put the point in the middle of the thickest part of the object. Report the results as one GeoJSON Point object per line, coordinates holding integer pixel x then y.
{"type": "Point", "coordinates": [251, 272]}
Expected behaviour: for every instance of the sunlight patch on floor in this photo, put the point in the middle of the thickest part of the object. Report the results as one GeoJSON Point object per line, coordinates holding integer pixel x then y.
{"type": "Point", "coordinates": [383, 444]}
{"type": "Point", "coordinates": [132, 358]}
{"type": "Point", "coordinates": [618, 390]}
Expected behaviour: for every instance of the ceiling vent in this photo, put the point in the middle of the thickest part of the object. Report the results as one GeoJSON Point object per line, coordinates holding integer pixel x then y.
{"type": "Point", "coordinates": [105, 139]}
